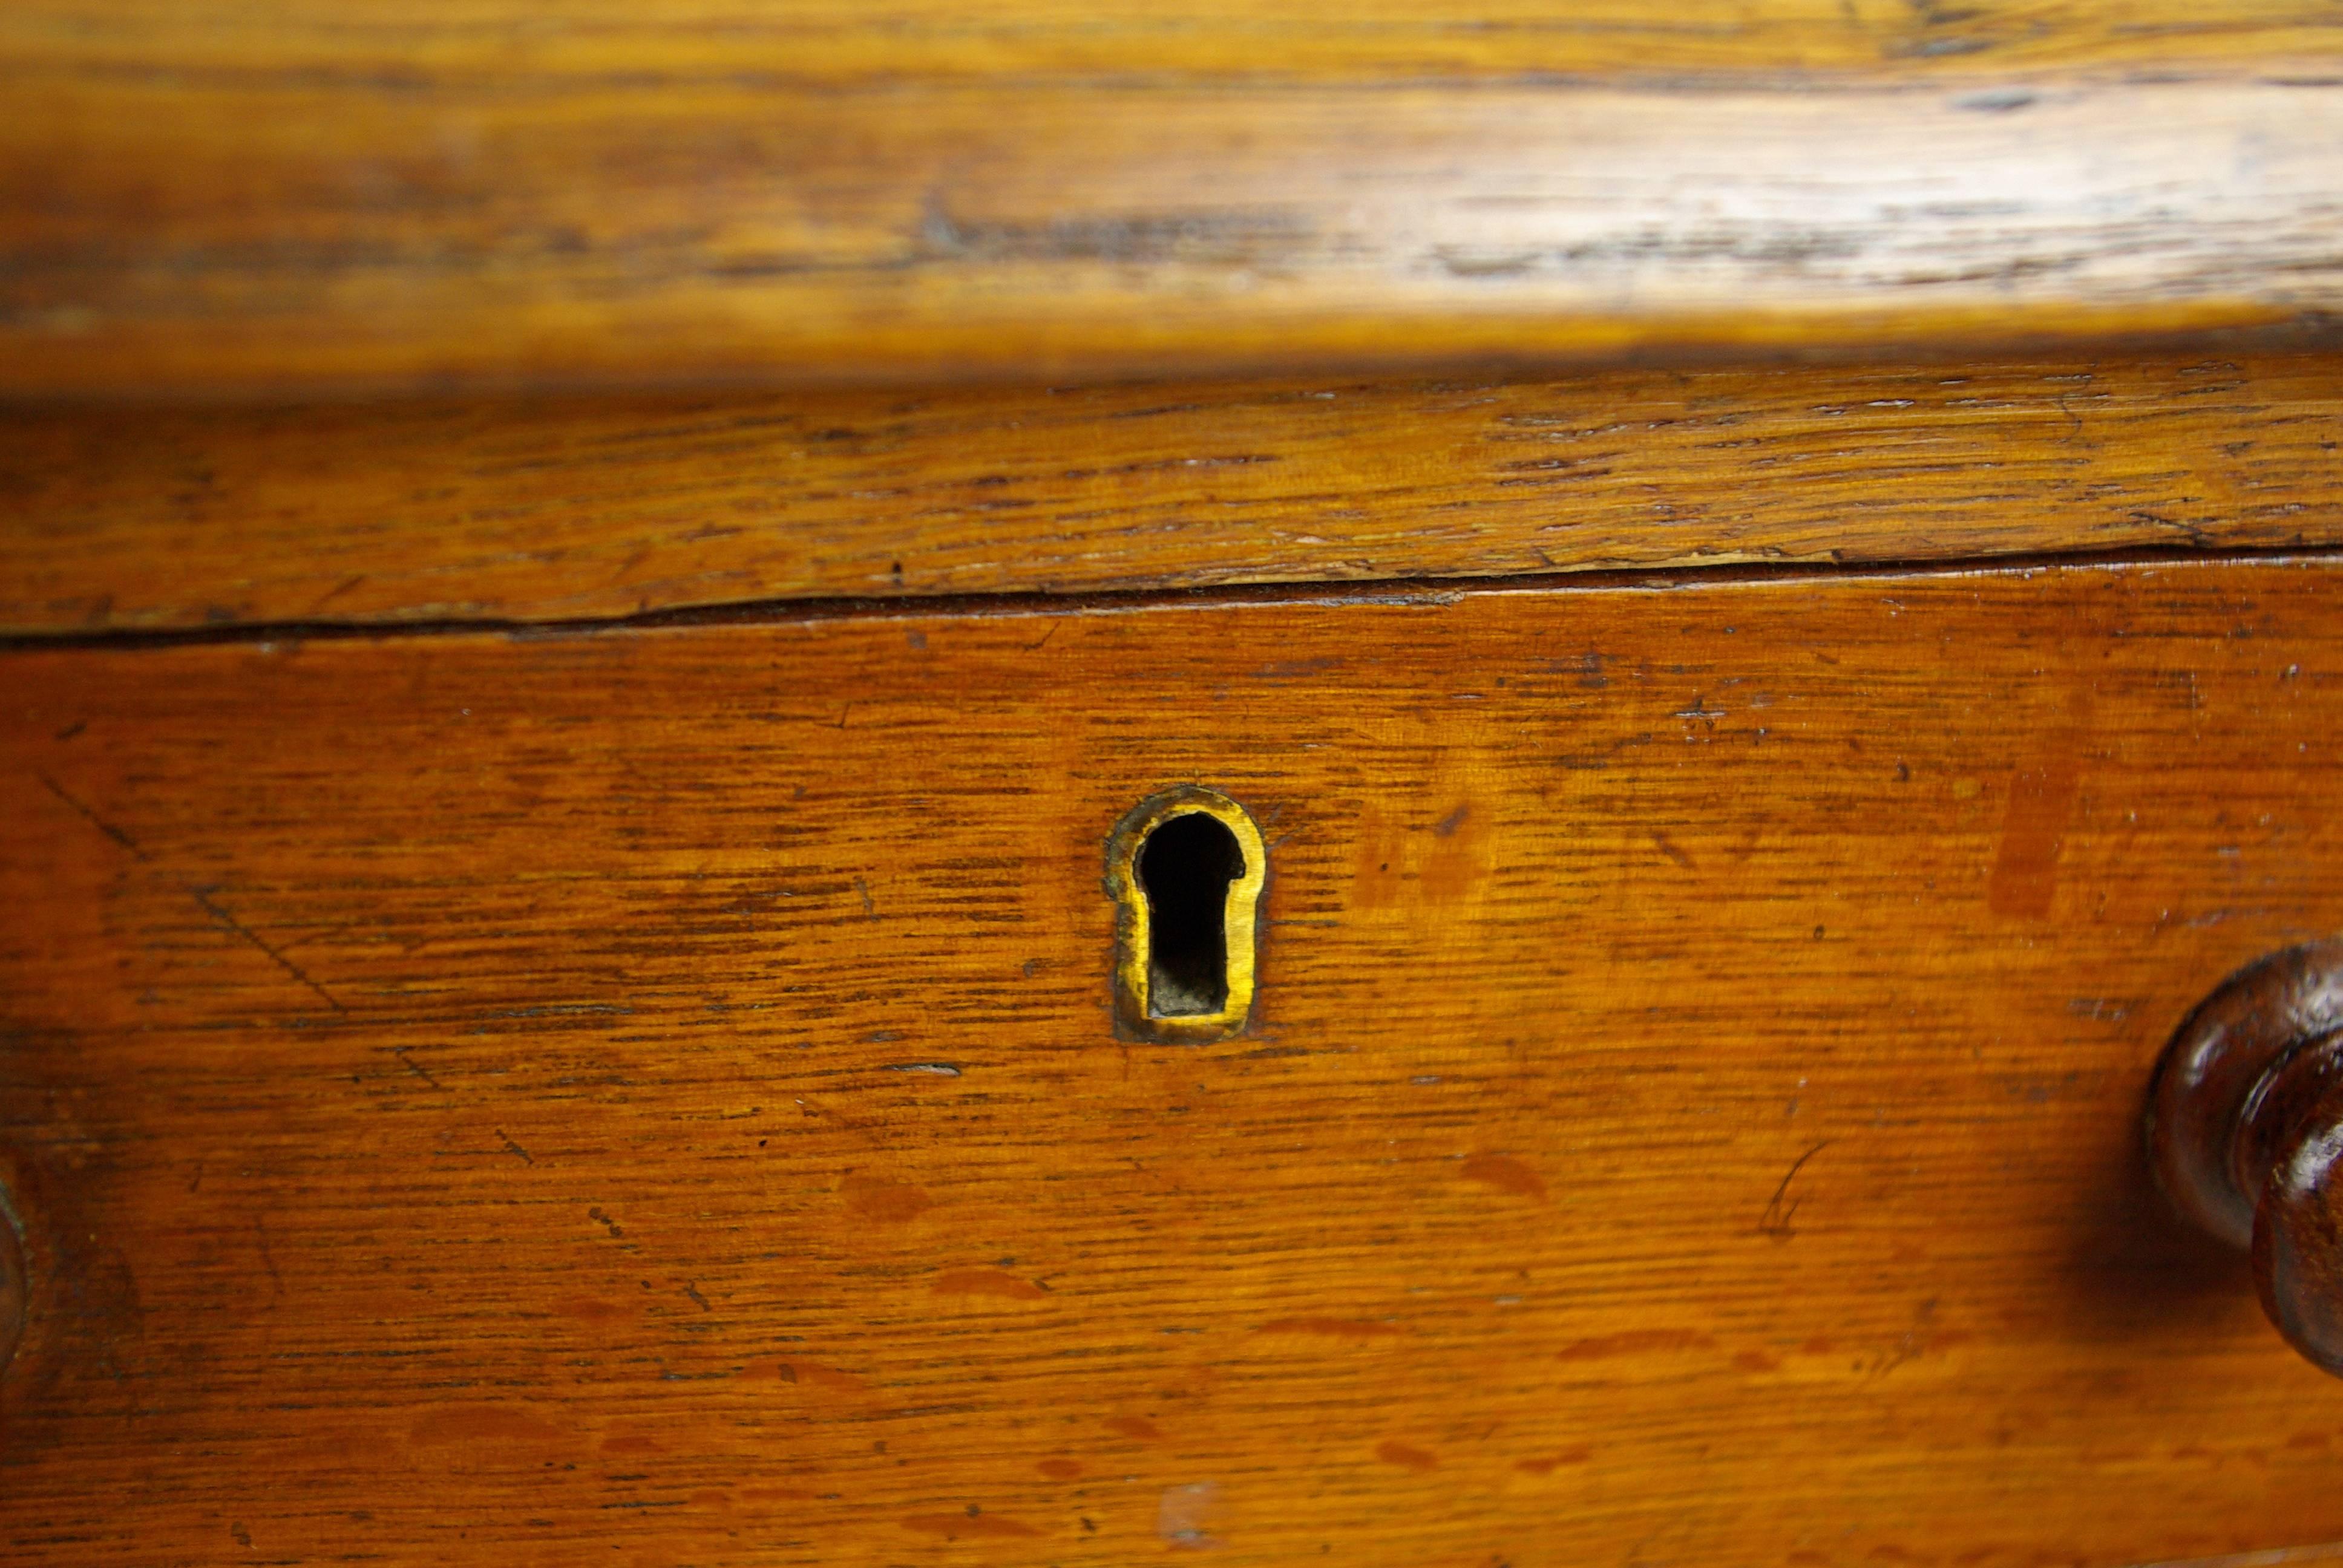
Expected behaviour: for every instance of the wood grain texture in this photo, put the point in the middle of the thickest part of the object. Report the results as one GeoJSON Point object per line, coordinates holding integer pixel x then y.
{"type": "Point", "coordinates": [210, 199]}
{"type": "Point", "coordinates": [652, 1096]}
{"type": "Point", "coordinates": [114, 519]}
{"type": "Point", "coordinates": [834, 44]}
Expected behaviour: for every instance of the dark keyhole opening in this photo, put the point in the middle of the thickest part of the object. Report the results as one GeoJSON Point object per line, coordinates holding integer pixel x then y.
{"type": "Point", "coordinates": [1185, 869]}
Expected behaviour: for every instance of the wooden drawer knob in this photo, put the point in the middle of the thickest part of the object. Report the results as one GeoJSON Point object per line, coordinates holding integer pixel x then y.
{"type": "Point", "coordinates": [2245, 1131]}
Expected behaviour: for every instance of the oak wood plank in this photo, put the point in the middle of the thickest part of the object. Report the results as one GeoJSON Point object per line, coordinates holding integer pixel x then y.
{"type": "Point", "coordinates": [551, 510]}
{"type": "Point", "coordinates": [208, 200]}
{"type": "Point", "coordinates": [653, 1095]}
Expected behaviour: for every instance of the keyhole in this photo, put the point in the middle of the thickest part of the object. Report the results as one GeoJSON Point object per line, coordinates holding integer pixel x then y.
{"type": "Point", "coordinates": [1185, 867]}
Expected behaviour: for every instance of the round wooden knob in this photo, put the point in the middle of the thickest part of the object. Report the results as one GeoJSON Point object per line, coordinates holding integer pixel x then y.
{"type": "Point", "coordinates": [2245, 1131]}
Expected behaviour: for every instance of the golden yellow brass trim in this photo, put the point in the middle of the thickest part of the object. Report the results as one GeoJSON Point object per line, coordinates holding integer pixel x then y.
{"type": "Point", "coordinates": [1134, 1014]}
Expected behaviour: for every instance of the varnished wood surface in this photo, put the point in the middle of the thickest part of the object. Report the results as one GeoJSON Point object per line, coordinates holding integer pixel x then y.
{"type": "Point", "coordinates": [119, 520]}
{"type": "Point", "coordinates": [200, 200]}
{"type": "Point", "coordinates": [653, 1098]}
{"type": "Point", "coordinates": [2244, 1127]}
{"type": "Point", "coordinates": [834, 44]}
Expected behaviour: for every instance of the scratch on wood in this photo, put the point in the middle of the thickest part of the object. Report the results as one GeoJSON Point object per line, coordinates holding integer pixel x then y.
{"type": "Point", "coordinates": [400, 1051]}
{"type": "Point", "coordinates": [330, 595]}
{"type": "Point", "coordinates": [2271, 1559]}
{"type": "Point", "coordinates": [267, 1259]}
{"type": "Point", "coordinates": [1782, 1208]}
{"type": "Point", "coordinates": [92, 817]}
{"type": "Point", "coordinates": [203, 897]}
{"type": "Point", "coordinates": [511, 1147]}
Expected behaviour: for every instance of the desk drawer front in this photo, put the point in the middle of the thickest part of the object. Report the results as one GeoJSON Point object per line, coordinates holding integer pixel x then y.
{"type": "Point", "coordinates": [661, 1088]}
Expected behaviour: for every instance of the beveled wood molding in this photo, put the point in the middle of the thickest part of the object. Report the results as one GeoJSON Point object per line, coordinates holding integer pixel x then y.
{"type": "Point", "coordinates": [360, 197]}
{"type": "Point", "coordinates": [116, 519]}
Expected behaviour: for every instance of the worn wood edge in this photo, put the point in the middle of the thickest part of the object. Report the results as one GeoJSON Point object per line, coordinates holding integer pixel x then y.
{"type": "Point", "coordinates": [2272, 1558]}
{"type": "Point", "coordinates": [258, 234]}
{"type": "Point", "coordinates": [576, 510]}
{"type": "Point", "coordinates": [273, 636]}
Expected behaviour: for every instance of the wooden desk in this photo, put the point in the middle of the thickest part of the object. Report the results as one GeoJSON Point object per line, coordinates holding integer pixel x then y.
{"type": "Point", "coordinates": [557, 970]}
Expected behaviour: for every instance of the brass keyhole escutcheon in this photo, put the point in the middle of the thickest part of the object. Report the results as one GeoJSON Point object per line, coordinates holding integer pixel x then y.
{"type": "Point", "coordinates": [1186, 869]}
